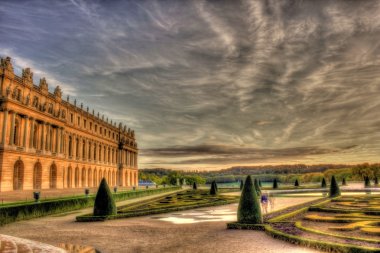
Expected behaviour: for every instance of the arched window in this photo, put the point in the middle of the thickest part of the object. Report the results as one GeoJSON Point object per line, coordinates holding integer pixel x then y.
{"type": "Point", "coordinates": [18, 175]}
{"type": "Point", "coordinates": [84, 181]}
{"type": "Point", "coordinates": [76, 177]}
{"type": "Point", "coordinates": [69, 177]}
{"type": "Point", "coordinates": [37, 176]}
{"type": "Point", "coordinates": [95, 177]}
{"type": "Point", "coordinates": [53, 176]}
{"type": "Point", "coordinates": [89, 177]}
{"type": "Point", "coordinates": [94, 152]}
{"type": "Point", "coordinates": [100, 153]}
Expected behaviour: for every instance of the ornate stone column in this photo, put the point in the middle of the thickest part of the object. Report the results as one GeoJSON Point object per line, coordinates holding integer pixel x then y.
{"type": "Point", "coordinates": [5, 121]}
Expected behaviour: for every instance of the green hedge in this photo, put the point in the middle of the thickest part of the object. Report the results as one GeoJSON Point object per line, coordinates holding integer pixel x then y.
{"type": "Point", "coordinates": [317, 244]}
{"type": "Point", "coordinates": [245, 226]}
{"type": "Point", "coordinates": [17, 212]}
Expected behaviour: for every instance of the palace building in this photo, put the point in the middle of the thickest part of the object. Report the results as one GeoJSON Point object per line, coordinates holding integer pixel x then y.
{"type": "Point", "coordinates": [49, 143]}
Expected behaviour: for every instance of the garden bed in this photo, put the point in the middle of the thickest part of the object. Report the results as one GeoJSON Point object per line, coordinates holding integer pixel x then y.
{"type": "Point", "coordinates": [179, 201]}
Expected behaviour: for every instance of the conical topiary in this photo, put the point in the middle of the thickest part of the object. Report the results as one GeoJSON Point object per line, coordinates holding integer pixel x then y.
{"type": "Point", "coordinates": [334, 188]}
{"type": "Point", "coordinates": [376, 181]}
{"type": "Point", "coordinates": [257, 187]}
{"type": "Point", "coordinates": [195, 186]}
{"type": "Point", "coordinates": [216, 187]}
{"type": "Point", "coordinates": [296, 184]}
{"type": "Point", "coordinates": [367, 182]}
{"type": "Point", "coordinates": [344, 181]}
{"type": "Point", "coordinates": [249, 210]}
{"type": "Point", "coordinates": [260, 183]}
{"type": "Point", "coordinates": [275, 184]}
{"type": "Point", "coordinates": [241, 184]}
{"type": "Point", "coordinates": [213, 189]}
{"type": "Point", "coordinates": [323, 184]}
{"type": "Point", "coordinates": [104, 202]}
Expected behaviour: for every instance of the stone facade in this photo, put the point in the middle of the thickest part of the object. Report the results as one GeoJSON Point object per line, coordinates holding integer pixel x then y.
{"type": "Point", "coordinates": [49, 143]}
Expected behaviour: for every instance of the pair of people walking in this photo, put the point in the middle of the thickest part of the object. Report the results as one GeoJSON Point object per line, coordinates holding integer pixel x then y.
{"type": "Point", "coordinates": [267, 200]}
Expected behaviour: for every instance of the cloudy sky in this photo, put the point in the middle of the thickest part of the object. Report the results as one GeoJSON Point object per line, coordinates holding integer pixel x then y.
{"type": "Point", "coordinates": [212, 84]}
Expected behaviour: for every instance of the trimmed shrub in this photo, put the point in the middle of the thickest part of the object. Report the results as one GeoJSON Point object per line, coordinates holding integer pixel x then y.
{"type": "Point", "coordinates": [275, 184]}
{"type": "Point", "coordinates": [257, 187]}
{"type": "Point", "coordinates": [260, 183]}
{"type": "Point", "coordinates": [344, 181]}
{"type": "Point", "coordinates": [104, 202]}
{"type": "Point", "coordinates": [213, 189]}
{"type": "Point", "coordinates": [241, 184]}
{"type": "Point", "coordinates": [216, 187]}
{"type": "Point", "coordinates": [367, 182]}
{"type": "Point", "coordinates": [376, 181]}
{"type": "Point", "coordinates": [249, 210]}
{"type": "Point", "coordinates": [195, 186]}
{"type": "Point", "coordinates": [296, 184]}
{"type": "Point", "coordinates": [323, 184]}
{"type": "Point", "coordinates": [334, 188]}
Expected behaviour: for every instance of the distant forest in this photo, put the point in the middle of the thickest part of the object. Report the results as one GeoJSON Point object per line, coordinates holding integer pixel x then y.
{"type": "Point", "coordinates": [283, 173]}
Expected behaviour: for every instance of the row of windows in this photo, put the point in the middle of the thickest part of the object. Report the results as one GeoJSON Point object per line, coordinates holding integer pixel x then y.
{"type": "Point", "coordinates": [102, 131]}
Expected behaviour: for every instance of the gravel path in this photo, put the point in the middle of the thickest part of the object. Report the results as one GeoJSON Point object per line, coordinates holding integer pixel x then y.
{"type": "Point", "coordinates": [146, 234]}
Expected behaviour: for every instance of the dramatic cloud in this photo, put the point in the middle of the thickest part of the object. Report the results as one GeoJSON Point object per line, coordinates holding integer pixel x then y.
{"type": "Point", "coordinates": [214, 83]}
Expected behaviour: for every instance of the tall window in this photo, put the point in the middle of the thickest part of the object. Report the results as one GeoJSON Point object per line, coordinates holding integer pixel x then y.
{"type": "Point", "coordinates": [35, 136]}
{"type": "Point", "coordinates": [84, 149]}
{"type": "Point", "coordinates": [16, 135]}
{"type": "Point", "coordinates": [70, 146]}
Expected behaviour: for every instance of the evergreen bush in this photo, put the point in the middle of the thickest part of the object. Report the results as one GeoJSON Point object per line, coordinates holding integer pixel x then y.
{"type": "Point", "coordinates": [249, 210]}
{"type": "Point", "coordinates": [323, 184]}
{"type": "Point", "coordinates": [241, 184]}
{"type": "Point", "coordinates": [275, 184]}
{"type": "Point", "coordinates": [195, 186]}
{"type": "Point", "coordinates": [344, 181]}
{"type": "Point", "coordinates": [367, 182]}
{"type": "Point", "coordinates": [296, 184]}
{"type": "Point", "coordinates": [104, 202]}
{"type": "Point", "coordinates": [260, 183]}
{"type": "Point", "coordinates": [334, 188]}
{"type": "Point", "coordinates": [213, 189]}
{"type": "Point", "coordinates": [376, 181]}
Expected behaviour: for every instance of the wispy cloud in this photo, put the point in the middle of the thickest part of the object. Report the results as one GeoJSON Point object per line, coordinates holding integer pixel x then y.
{"type": "Point", "coordinates": [262, 75]}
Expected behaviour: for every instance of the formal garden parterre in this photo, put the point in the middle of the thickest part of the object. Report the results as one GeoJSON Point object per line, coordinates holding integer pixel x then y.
{"type": "Point", "coordinates": [336, 224]}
